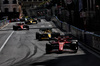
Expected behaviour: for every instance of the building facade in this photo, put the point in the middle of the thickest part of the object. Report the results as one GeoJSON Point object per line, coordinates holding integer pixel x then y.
{"type": "Point", "coordinates": [9, 5]}
{"type": "Point", "coordinates": [31, 3]}
{"type": "Point", "coordinates": [9, 8]}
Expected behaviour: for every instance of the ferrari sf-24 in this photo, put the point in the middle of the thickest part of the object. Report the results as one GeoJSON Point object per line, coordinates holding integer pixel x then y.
{"type": "Point", "coordinates": [20, 26]}
{"type": "Point", "coordinates": [62, 44]}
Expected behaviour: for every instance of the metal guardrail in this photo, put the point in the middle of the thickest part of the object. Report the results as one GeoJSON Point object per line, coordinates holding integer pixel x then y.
{"type": "Point", "coordinates": [88, 38]}
{"type": "Point", "coordinates": [3, 22]}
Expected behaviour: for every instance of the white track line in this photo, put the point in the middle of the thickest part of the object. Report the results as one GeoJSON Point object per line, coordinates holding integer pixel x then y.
{"type": "Point", "coordinates": [6, 41]}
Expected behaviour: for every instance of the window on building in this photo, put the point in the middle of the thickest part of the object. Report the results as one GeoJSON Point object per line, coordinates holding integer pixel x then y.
{"type": "Point", "coordinates": [14, 2]}
{"type": "Point", "coordinates": [14, 9]}
{"type": "Point", "coordinates": [6, 10]}
{"type": "Point", "coordinates": [5, 2]}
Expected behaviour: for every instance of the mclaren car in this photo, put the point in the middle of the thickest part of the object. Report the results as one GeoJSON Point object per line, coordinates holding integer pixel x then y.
{"type": "Point", "coordinates": [46, 34]}
{"type": "Point", "coordinates": [20, 26]}
{"type": "Point", "coordinates": [62, 44]}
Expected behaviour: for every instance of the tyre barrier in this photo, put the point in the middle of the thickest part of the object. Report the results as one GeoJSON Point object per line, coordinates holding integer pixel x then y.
{"type": "Point", "coordinates": [88, 38]}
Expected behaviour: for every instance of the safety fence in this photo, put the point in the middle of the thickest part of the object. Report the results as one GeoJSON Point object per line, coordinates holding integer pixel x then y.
{"type": "Point", "coordinates": [3, 22]}
{"type": "Point", "coordinates": [88, 38]}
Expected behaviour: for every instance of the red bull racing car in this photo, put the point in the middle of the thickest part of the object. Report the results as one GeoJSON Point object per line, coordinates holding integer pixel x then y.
{"type": "Point", "coordinates": [62, 44]}
{"type": "Point", "coordinates": [20, 26]}
{"type": "Point", "coordinates": [31, 21]}
{"type": "Point", "coordinates": [46, 34]}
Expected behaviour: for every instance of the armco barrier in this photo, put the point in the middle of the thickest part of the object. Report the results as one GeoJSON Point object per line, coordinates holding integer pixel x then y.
{"type": "Point", "coordinates": [77, 32]}
{"type": "Point", "coordinates": [65, 27]}
{"type": "Point", "coordinates": [56, 21]}
{"type": "Point", "coordinates": [84, 36]}
{"type": "Point", "coordinates": [88, 38]}
{"type": "Point", "coordinates": [96, 41]}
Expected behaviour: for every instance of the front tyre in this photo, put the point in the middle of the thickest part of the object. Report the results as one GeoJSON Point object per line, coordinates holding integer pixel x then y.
{"type": "Point", "coordinates": [48, 48]}
{"type": "Point", "coordinates": [14, 28]}
{"type": "Point", "coordinates": [27, 27]}
{"type": "Point", "coordinates": [37, 35]}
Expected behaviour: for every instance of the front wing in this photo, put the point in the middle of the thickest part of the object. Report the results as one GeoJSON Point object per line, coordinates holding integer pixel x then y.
{"type": "Point", "coordinates": [66, 48]}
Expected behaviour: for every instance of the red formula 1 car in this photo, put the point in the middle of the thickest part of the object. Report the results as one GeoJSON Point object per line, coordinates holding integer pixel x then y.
{"type": "Point", "coordinates": [61, 44]}
{"type": "Point", "coordinates": [20, 26]}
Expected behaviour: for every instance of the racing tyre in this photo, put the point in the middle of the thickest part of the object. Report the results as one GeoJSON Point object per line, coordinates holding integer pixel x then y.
{"type": "Point", "coordinates": [36, 22]}
{"type": "Point", "coordinates": [25, 22]}
{"type": "Point", "coordinates": [39, 20]}
{"type": "Point", "coordinates": [39, 38]}
{"type": "Point", "coordinates": [75, 51]}
{"type": "Point", "coordinates": [48, 48]}
{"type": "Point", "coordinates": [14, 28]}
{"type": "Point", "coordinates": [27, 27]}
{"type": "Point", "coordinates": [37, 35]}
{"type": "Point", "coordinates": [75, 48]}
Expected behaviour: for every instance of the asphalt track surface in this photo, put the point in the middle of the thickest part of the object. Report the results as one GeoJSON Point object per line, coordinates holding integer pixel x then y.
{"type": "Point", "coordinates": [20, 48]}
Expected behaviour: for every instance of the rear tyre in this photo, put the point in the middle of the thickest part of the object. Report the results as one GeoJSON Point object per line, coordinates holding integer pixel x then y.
{"type": "Point", "coordinates": [27, 27]}
{"type": "Point", "coordinates": [39, 38]}
{"type": "Point", "coordinates": [48, 49]}
{"type": "Point", "coordinates": [14, 28]}
{"type": "Point", "coordinates": [75, 48]}
{"type": "Point", "coordinates": [37, 35]}
{"type": "Point", "coordinates": [39, 20]}
{"type": "Point", "coordinates": [36, 22]}
{"type": "Point", "coordinates": [75, 51]}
